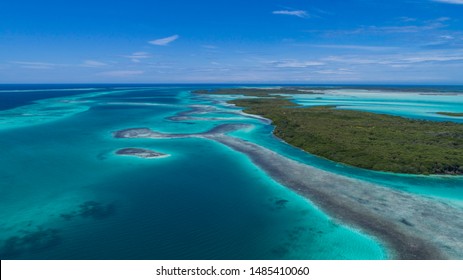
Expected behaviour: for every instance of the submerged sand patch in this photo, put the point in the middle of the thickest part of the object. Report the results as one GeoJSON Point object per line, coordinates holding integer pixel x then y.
{"type": "Point", "coordinates": [412, 226]}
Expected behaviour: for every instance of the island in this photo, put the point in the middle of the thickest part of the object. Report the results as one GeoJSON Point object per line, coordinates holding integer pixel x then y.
{"type": "Point", "coordinates": [362, 139]}
{"type": "Point", "coordinates": [407, 223]}
{"type": "Point", "coordinates": [141, 153]}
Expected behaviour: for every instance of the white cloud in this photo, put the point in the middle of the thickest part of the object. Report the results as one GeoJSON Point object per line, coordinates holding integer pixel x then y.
{"type": "Point", "coordinates": [440, 19]}
{"type": "Point", "coordinates": [437, 58]}
{"type": "Point", "coordinates": [419, 27]}
{"type": "Point", "coordinates": [164, 41]}
{"type": "Point", "coordinates": [403, 29]}
{"type": "Point", "coordinates": [352, 47]}
{"type": "Point", "coordinates": [352, 60]}
{"type": "Point", "coordinates": [122, 73]}
{"type": "Point", "coordinates": [340, 71]}
{"type": "Point", "coordinates": [93, 63]}
{"type": "Point", "coordinates": [295, 63]}
{"type": "Point", "coordinates": [35, 65]}
{"type": "Point", "coordinates": [138, 56]}
{"type": "Point", "coordinates": [297, 13]}
{"type": "Point", "coordinates": [459, 2]}
{"type": "Point", "coordinates": [397, 60]}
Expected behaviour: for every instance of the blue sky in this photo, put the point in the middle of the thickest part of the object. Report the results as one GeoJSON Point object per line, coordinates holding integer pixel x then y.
{"type": "Point", "coordinates": [232, 41]}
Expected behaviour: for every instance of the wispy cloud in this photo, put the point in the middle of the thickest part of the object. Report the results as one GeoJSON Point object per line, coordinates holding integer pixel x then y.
{"type": "Point", "coordinates": [164, 41]}
{"type": "Point", "coordinates": [339, 71]}
{"type": "Point", "coordinates": [121, 73]}
{"type": "Point", "coordinates": [407, 19]}
{"type": "Point", "coordinates": [418, 27]}
{"type": "Point", "coordinates": [458, 2]}
{"type": "Point", "coordinates": [297, 13]}
{"type": "Point", "coordinates": [351, 47]}
{"type": "Point", "coordinates": [396, 60]}
{"type": "Point", "coordinates": [138, 56]}
{"type": "Point", "coordinates": [402, 28]}
{"type": "Point", "coordinates": [212, 47]}
{"type": "Point", "coordinates": [353, 60]}
{"type": "Point", "coordinates": [93, 63]}
{"type": "Point", "coordinates": [447, 41]}
{"type": "Point", "coordinates": [295, 63]}
{"type": "Point", "coordinates": [35, 65]}
{"type": "Point", "coordinates": [436, 58]}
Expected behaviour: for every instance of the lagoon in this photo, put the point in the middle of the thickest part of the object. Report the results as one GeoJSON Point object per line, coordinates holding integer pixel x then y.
{"type": "Point", "coordinates": [66, 194]}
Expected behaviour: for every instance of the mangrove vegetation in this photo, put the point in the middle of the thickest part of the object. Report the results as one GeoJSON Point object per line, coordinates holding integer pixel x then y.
{"type": "Point", "coordinates": [362, 139]}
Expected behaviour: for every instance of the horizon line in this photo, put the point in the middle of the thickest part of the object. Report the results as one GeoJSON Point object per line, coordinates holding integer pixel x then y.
{"type": "Point", "coordinates": [244, 83]}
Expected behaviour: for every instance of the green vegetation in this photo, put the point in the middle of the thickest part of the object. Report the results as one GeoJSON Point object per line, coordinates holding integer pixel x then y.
{"type": "Point", "coordinates": [257, 92]}
{"type": "Point", "coordinates": [366, 140]}
{"type": "Point", "coordinates": [451, 114]}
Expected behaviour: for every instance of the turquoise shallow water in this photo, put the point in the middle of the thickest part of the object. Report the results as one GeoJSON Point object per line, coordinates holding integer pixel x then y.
{"type": "Point", "coordinates": [420, 105]}
{"type": "Point", "coordinates": [66, 195]}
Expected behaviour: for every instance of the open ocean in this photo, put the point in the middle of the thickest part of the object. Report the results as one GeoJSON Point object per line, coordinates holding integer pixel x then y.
{"type": "Point", "coordinates": [65, 194]}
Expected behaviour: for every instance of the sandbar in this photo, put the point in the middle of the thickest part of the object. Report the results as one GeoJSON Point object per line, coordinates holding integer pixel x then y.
{"type": "Point", "coordinates": [141, 153]}
{"type": "Point", "coordinates": [411, 226]}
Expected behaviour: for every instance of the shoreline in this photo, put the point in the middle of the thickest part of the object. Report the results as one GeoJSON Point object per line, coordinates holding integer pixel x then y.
{"type": "Point", "coordinates": [402, 221]}
{"type": "Point", "coordinates": [365, 140]}
{"type": "Point", "coordinates": [359, 204]}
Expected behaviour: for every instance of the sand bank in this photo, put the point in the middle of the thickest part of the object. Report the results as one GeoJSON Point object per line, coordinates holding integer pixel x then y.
{"type": "Point", "coordinates": [412, 226]}
{"type": "Point", "coordinates": [141, 153]}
